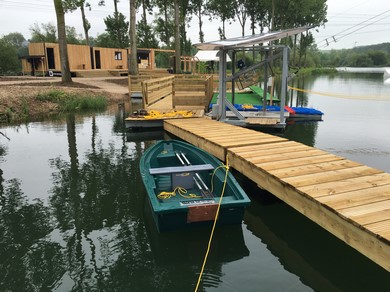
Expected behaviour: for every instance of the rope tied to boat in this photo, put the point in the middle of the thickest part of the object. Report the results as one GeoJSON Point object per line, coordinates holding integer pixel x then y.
{"type": "Point", "coordinates": [226, 166]}
{"type": "Point", "coordinates": [178, 190]}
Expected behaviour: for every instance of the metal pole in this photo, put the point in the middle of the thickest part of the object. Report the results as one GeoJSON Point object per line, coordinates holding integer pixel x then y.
{"type": "Point", "coordinates": [222, 85]}
{"type": "Point", "coordinates": [265, 89]}
{"type": "Point", "coordinates": [284, 83]}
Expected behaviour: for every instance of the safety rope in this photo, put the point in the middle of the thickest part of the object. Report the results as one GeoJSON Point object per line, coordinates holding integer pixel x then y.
{"type": "Point", "coordinates": [365, 97]}
{"type": "Point", "coordinates": [155, 114]}
{"type": "Point", "coordinates": [178, 190]}
{"type": "Point", "coordinates": [215, 220]}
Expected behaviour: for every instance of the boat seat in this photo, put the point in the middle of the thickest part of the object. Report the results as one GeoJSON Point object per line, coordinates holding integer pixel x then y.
{"type": "Point", "coordinates": [181, 169]}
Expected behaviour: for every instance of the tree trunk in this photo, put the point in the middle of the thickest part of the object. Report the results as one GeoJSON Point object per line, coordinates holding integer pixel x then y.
{"type": "Point", "coordinates": [201, 34]}
{"type": "Point", "coordinates": [65, 76]}
{"type": "Point", "coordinates": [177, 38]}
{"type": "Point", "coordinates": [133, 68]}
{"type": "Point", "coordinates": [167, 41]}
{"type": "Point", "coordinates": [85, 24]}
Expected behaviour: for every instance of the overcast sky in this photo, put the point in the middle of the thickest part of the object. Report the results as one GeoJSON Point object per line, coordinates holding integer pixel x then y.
{"type": "Point", "coordinates": [350, 22]}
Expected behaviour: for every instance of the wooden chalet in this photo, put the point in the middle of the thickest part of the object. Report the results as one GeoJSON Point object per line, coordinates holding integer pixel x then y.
{"type": "Point", "coordinates": [44, 59]}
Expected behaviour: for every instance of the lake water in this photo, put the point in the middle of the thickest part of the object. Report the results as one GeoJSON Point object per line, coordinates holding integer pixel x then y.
{"type": "Point", "coordinates": [74, 213]}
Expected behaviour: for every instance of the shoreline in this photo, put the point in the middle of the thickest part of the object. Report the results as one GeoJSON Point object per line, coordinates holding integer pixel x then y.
{"type": "Point", "coordinates": [18, 101]}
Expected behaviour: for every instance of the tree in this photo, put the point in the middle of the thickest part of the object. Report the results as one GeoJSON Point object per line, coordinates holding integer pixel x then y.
{"type": "Point", "coordinates": [145, 36]}
{"type": "Point", "coordinates": [177, 37]}
{"type": "Point", "coordinates": [118, 29]}
{"type": "Point", "coordinates": [60, 14]}
{"type": "Point", "coordinates": [240, 9]}
{"type": "Point", "coordinates": [133, 68]}
{"type": "Point", "coordinates": [9, 63]}
{"type": "Point", "coordinates": [198, 9]}
{"type": "Point", "coordinates": [71, 5]}
{"type": "Point", "coordinates": [378, 58]}
{"type": "Point", "coordinates": [18, 41]}
{"type": "Point", "coordinates": [47, 33]}
{"type": "Point", "coordinates": [224, 10]}
{"type": "Point", "coordinates": [164, 23]}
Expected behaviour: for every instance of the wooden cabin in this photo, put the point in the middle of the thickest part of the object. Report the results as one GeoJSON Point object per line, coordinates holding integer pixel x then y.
{"type": "Point", "coordinates": [44, 59]}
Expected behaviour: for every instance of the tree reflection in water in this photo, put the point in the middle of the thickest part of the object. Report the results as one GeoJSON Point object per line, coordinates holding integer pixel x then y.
{"type": "Point", "coordinates": [27, 261]}
{"type": "Point", "coordinates": [91, 227]}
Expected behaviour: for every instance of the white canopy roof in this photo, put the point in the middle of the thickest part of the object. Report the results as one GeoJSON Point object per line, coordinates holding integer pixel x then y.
{"type": "Point", "coordinates": [250, 40]}
{"type": "Point", "coordinates": [207, 55]}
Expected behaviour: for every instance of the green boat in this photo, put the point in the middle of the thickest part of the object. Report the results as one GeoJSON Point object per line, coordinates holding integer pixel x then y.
{"type": "Point", "coordinates": [185, 184]}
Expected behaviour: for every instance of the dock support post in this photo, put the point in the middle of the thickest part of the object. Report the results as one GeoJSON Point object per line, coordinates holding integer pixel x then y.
{"type": "Point", "coordinates": [284, 83]}
{"type": "Point", "coordinates": [222, 85]}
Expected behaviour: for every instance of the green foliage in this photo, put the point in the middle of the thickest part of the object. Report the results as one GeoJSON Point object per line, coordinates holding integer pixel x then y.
{"type": "Point", "coordinates": [145, 36]}
{"type": "Point", "coordinates": [118, 30]}
{"type": "Point", "coordinates": [73, 102]}
{"type": "Point", "coordinates": [47, 32]}
{"type": "Point", "coordinates": [367, 56]}
{"type": "Point", "coordinates": [9, 62]}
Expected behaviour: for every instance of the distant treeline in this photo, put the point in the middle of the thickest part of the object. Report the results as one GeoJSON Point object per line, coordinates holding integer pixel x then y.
{"type": "Point", "coordinates": [365, 56]}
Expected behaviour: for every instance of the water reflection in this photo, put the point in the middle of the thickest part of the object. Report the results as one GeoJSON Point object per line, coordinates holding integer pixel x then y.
{"type": "Point", "coordinates": [320, 260]}
{"type": "Point", "coordinates": [82, 222]}
{"type": "Point", "coordinates": [25, 259]}
{"type": "Point", "coordinates": [94, 233]}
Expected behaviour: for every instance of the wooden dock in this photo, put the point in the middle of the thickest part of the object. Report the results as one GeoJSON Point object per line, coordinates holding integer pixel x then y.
{"type": "Point", "coordinates": [350, 200]}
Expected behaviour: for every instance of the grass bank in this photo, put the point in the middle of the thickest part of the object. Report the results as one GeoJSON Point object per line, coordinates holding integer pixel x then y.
{"type": "Point", "coordinates": [30, 105]}
{"type": "Point", "coordinates": [70, 102]}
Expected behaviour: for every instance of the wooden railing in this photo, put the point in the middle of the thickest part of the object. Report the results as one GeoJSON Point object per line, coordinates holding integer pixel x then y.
{"type": "Point", "coordinates": [194, 92]}
{"type": "Point", "coordinates": [156, 89]}
{"type": "Point", "coordinates": [135, 83]}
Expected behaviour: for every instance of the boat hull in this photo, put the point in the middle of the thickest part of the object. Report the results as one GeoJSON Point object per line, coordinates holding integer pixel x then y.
{"type": "Point", "coordinates": [163, 172]}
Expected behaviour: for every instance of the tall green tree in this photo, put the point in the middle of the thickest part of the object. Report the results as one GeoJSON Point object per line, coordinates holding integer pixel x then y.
{"type": "Point", "coordinates": [9, 63]}
{"type": "Point", "coordinates": [164, 23]}
{"type": "Point", "coordinates": [47, 32]}
{"type": "Point", "coordinates": [223, 10]}
{"type": "Point", "coordinates": [18, 41]}
{"type": "Point", "coordinates": [60, 14]}
{"type": "Point", "coordinates": [118, 29]}
{"type": "Point", "coordinates": [198, 8]}
{"type": "Point", "coordinates": [145, 35]}
{"type": "Point", "coordinates": [71, 5]}
{"type": "Point", "coordinates": [241, 11]}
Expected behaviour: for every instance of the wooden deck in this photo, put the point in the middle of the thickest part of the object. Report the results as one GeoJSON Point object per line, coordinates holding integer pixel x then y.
{"type": "Point", "coordinates": [350, 200]}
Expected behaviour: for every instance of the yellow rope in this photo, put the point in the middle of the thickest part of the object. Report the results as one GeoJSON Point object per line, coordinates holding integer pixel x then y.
{"type": "Point", "coordinates": [154, 114]}
{"type": "Point", "coordinates": [215, 221]}
{"type": "Point", "coordinates": [178, 190]}
{"type": "Point", "coordinates": [248, 106]}
{"type": "Point", "coordinates": [365, 97]}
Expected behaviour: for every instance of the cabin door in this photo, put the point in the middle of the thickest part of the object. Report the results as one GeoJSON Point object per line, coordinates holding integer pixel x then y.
{"type": "Point", "coordinates": [50, 58]}
{"type": "Point", "coordinates": [97, 59]}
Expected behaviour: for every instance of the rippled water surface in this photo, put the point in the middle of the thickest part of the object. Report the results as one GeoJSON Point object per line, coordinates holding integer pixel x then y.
{"type": "Point", "coordinates": [74, 214]}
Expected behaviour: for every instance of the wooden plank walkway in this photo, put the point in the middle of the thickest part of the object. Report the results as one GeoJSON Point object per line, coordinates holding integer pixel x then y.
{"type": "Point", "coordinates": [350, 200]}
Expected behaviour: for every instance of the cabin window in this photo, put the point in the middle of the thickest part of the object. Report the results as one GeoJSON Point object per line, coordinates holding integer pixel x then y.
{"type": "Point", "coordinates": [118, 55]}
